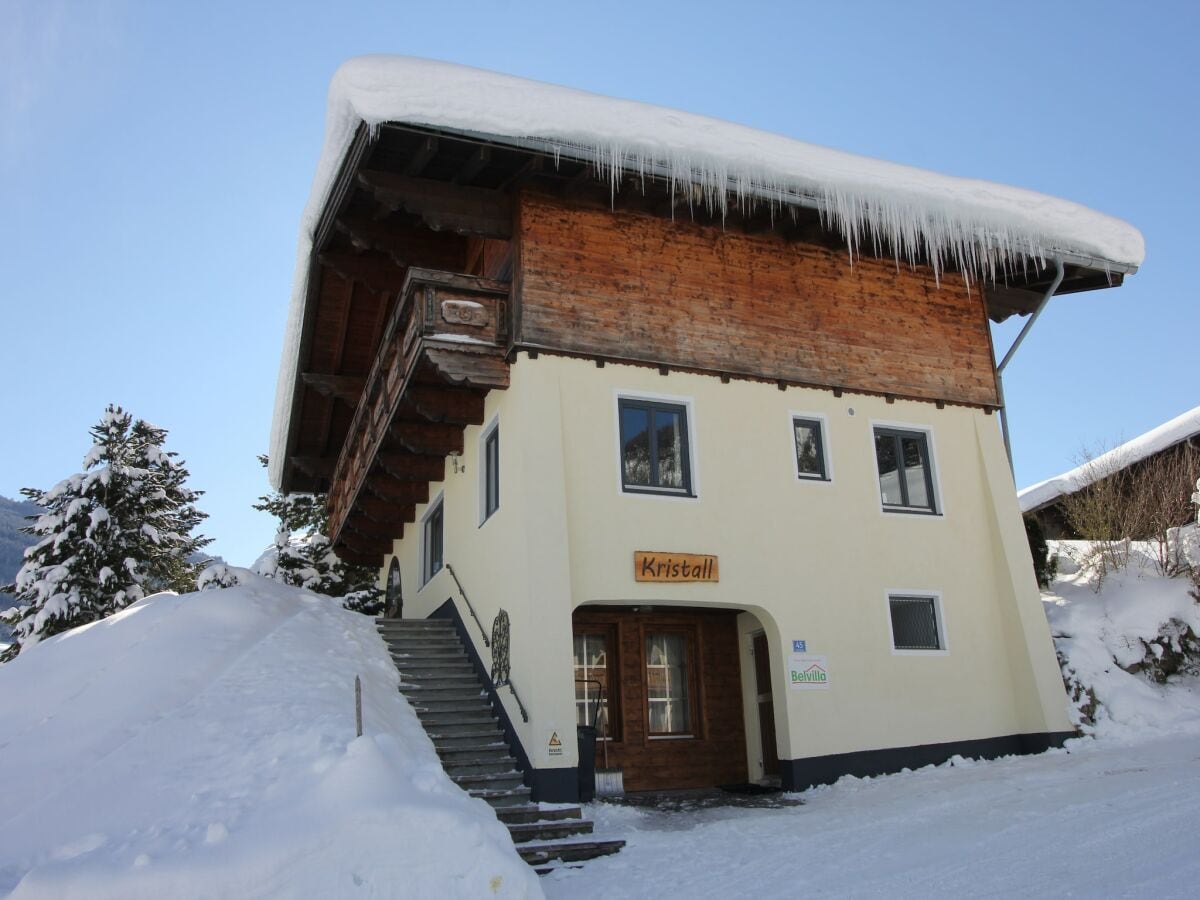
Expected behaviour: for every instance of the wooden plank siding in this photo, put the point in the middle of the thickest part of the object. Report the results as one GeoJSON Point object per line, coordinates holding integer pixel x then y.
{"type": "Point", "coordinates": [716, 754]}
{"type": "Point", "coordinates": [626, 285]}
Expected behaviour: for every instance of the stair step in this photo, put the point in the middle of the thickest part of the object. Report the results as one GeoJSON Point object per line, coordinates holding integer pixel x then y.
{"type": "Point", "coordinates": [382, 624]}
{"type": "Point", "coordinates": [525, 832]}
{"type": "Point", "coordinates": [567, 850]}
{"type": "Point", "coordinates": [492, 781]}
{"type": "Point", "coordinates": [410, 644]}
{"type": "Point", "coordinates": [434, 662]}
{"type": "Point", "coordinates": [502, 765]}
{"type": "Point", "coordinates": [449, 679]}
{"type": "Point", "coordinates": [504, 797]}
{"type": "Point", "coordinates": [480, 750]}
{"type": "Point", "coordinates": [465, 707]}
{"type": "Point", "coordinates": [456, 740]}
{"type": "Point", "coordinates": [535, 813]}
{"type": "Point", "coordinates": [472, 728]}
{"type": "Point", "coordinates": [455, 673]}
{"type": "Point", "coordinates": [419, 654]}
{"type": "Point", "coordinates": [437, 720]}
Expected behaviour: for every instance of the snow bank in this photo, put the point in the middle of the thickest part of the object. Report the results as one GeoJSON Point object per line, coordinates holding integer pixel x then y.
{"type": "Point", "coordinates": [203, 746]}
{"type": "Point", "coordinates": [1156, 439]}
{"type": "Point", "coordinates": [981, 227]}
{"type": "Point", "coordinates": [1101, 633]}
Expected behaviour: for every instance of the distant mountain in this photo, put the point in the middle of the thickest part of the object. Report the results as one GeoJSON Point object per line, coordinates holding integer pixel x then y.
{"type": "Point", "coordinates": [12, 541]}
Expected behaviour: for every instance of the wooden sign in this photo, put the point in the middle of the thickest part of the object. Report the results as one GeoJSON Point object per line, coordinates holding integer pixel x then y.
{"type": "Point", "coordinates": [649, 565]}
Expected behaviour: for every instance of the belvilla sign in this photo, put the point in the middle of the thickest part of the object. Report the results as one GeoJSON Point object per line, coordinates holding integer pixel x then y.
{"type": "Point", "coordinates": [650, 565]}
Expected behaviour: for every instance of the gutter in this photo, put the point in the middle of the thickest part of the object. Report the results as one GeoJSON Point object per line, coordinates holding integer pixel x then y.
{"type": "Point", "coordinates": [1060, 271]}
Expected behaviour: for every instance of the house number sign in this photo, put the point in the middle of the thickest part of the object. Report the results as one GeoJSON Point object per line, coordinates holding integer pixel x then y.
{"type": "Point", "coordinates": [651, 565]}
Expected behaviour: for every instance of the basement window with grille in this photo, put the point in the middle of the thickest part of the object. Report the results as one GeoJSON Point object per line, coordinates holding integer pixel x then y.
{"type": "Point", "coordinates": [916, 623]}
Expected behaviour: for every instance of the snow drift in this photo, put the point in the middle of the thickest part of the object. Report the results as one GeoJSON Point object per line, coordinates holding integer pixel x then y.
{"type": "Point", "coordinates": [1105, 632]}
{"type": "Point", "coordinates": [203, 746]}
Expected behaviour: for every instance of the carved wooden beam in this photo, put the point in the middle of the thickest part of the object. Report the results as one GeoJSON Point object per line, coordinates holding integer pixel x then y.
{"type": "Point", "coordinates": [406, 245]}
{"type": "Point", "coordinates": [443, 207]}
{"type": "Point", "coordinates": [355, 557]}
{"type": "Point", "coordinates": [403, 466]}
{"type": "Point", "coordinates": [344, 387]}
{"type": "Point", "coordinates": [389, 490]}
{"type": "Point", "coordinates": [432, 439]}
{"type": "Point", "coordinates": [383, 512]}
{"type": "Point", "coordinates": [433, 404]}
{"type": "Point", "coordinates": [374, 270]}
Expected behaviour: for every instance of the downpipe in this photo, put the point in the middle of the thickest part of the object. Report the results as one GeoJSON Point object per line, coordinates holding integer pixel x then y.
{"type": "Point", "coordinates": [1054, 285]}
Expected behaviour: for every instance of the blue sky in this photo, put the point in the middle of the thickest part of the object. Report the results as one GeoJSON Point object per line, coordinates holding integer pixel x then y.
{"type": "Point", "coordinates": [155, 157]}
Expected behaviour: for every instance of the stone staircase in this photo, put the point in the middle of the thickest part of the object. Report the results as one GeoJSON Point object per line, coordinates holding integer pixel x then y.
{"type": "Point", "coordinates": [440, 682]}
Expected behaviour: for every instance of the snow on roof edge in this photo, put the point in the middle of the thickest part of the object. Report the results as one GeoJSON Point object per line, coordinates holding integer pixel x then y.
{"type": "Point", "coordinates": [1156, 439]}
{"type": "Point", "coordinates": [980, 226]}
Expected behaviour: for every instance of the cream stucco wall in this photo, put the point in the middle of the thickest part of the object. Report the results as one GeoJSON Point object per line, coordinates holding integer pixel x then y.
{"type": "Point", "coordinates": [810, 560]}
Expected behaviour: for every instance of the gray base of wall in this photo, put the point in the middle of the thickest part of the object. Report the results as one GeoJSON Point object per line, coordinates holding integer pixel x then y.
{"type": "Point", "coordinates": [801, 774]}
{"type": "Point", "coordinates": [554, 785]}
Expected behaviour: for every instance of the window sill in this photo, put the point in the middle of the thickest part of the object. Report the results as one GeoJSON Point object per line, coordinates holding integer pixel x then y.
{"type": "Point", "coordinates": [896, 652]}
{"type": "Point", "coordinates": [657, 492]}
{"type": "Point", "coordinates": [912, 511]}
{"type": "Point", "coordinates": [670, 737]}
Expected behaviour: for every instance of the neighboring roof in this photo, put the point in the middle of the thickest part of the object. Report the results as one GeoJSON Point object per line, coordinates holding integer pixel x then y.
{"type": "Point", "coordinates": [980, 227]}
{"type": "Point", "coordinates": [1153, 441]}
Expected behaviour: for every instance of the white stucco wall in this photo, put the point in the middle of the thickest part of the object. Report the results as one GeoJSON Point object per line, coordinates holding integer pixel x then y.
{"type": "Point", "coordinates": [812, 561]}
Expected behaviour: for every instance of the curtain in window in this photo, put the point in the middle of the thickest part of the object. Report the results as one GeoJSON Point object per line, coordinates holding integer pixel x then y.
{"type": "Point", "coordinates": [591, 664]}
{"type": "Point", "coordinates": [667, 684]}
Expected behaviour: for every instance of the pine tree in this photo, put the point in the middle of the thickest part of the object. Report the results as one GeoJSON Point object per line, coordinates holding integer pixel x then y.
{"type": "Point", "coordinates": [107, 535]}
{"type": "Point", "coordinates": [303, 554]}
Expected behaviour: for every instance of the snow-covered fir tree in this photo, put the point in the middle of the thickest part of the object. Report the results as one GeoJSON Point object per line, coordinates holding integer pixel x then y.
{"type": "Point", "coordinates": [108, 535]}
{"type": "Point", "coordinates": [303, 554]}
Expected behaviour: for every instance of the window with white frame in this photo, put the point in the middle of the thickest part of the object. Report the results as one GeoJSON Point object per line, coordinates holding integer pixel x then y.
{"type": "Point", "coordinates": [905, 470]}
{"type": "Point", "coordinates": [490, 480]}
{"type": "Point", "coordinates": [655, 456]}
{"type": "Point", "coordinates": [916, 622]}
{"type": "Point", "coordinates": [809, 436]}
{"type": "Point", "coordinates": [668, 702]}
{"type": "Point", "coordinates": [432, 536]}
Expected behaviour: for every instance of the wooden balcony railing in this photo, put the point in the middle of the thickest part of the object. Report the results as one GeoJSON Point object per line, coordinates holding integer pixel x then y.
{"type": "Point", "coordinates": [443, 348]}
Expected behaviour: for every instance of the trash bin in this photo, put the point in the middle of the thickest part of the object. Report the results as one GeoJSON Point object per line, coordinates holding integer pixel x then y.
{"type": "Point", "coordinates": [585, 735]}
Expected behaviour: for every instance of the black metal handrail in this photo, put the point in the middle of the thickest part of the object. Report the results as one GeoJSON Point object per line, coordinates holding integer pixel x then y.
{"type": "Point", "coordinates": [500, 673]}
{"type": "Point", "coordinates": [470, 608]}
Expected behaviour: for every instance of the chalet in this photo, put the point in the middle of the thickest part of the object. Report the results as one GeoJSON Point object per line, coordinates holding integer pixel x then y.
{"type": "Point", "coordinates": [679, 420]}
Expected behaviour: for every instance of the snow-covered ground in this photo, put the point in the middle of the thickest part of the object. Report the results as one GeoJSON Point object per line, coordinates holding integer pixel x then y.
{"type": "Point", "coordinates": [1103, 820]}
{"type": "Point", "coordinates": [204, 746]}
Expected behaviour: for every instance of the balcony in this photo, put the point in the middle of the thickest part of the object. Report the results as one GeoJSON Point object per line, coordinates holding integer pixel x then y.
{"type": "Point", "coordinates": [442, 349]}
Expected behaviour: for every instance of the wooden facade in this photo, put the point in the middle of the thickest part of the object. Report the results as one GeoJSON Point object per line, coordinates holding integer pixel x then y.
{"type": "Point", "coordinates": [715, 751]}
{"type": "Point", "coordinates": [642, 288]}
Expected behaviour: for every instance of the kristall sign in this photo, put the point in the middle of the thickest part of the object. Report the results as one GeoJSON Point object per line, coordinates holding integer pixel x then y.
{"type": "Point", "coordinates": [807, 672]}
{"type": "Point", "coordinates": [651, 565]}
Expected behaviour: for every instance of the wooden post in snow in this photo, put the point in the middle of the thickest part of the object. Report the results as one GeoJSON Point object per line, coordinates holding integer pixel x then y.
{"type": "Point", "coordinates": [358, 705]}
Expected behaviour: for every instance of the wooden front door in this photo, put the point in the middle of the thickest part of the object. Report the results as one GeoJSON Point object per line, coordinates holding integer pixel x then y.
{"type": "Point", "coordinates": [674, 692]}
{"type": "Point", "coordinates": [766, 706]}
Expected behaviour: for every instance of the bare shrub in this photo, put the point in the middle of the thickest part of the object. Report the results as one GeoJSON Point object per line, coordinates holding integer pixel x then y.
{"type": "Point", "coordinates": [1147, 500]}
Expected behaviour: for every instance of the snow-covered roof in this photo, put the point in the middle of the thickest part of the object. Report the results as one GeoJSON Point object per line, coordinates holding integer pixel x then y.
{"type": "Point", "coordinates": [1153, 441]}
{"type": "Point", "coordinates": [979, 226]}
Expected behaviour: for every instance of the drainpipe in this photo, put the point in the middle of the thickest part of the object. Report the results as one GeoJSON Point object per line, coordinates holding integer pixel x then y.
{"type": "Point", "coordinates": [1058, 277]}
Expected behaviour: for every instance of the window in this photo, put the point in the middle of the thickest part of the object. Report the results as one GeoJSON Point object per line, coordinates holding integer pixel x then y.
{"type": "Point", "coordinates": [905, 470]}
{"type": "Point", "coordinates": [916, 624]}
{"type": "Point", "coordinates": [654, 447]}
{"type": "Point", "coordinates": [667, 701]}
{"type": "Point", "coordinates": [432, 546]}
{"type": "Point", "coordinates": [810, 448]}
{"type": "Point", "coordinates": [491, 472]}
{"type": "Point", "coordinates": [592, 661]}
